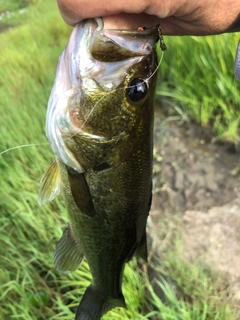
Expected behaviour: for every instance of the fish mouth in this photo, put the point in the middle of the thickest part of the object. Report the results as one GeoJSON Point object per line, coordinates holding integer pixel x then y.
{"type": "Point", "coordinates": [87, 58]}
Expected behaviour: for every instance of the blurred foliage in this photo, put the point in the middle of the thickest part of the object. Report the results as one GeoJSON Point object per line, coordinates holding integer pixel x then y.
{"type": "Point", "coordinates": [197, 75]}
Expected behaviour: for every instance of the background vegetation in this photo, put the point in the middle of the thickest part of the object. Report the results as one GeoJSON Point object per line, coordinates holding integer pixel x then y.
{"type": "Point", "coordinates": [197, 74]}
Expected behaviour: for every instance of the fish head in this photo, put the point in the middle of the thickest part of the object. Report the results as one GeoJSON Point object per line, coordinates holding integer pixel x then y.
{"type": "Point", "coordinates": [104, 88]}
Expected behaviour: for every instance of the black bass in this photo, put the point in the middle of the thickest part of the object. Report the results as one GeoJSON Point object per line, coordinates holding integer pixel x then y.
{"type": "Point", "coordinates": [100, 128]}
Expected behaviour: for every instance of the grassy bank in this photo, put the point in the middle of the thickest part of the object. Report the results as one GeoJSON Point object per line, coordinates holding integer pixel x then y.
{"type": "Point", "coordinates": [197, 74]}
{"type": "Point", "coordinates": [30, 287]}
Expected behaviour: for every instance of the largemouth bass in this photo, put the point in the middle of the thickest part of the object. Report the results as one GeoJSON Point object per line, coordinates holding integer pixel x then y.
{"type": "Point", "coordinates": [100, 128]}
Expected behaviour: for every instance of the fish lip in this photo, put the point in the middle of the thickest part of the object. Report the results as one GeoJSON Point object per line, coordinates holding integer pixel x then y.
{"type": "Point", "coordinates": [124, 37]}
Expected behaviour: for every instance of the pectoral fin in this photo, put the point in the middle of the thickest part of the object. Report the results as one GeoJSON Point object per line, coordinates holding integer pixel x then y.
{"type": "Point", "coordinates": [80, 192]}
{"type": "Point", "coordinates": [68, 254]}
{"type": "Point", "coordinates": [50, 184]}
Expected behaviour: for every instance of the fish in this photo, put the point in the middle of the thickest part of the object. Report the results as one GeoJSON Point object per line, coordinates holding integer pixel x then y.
{"type": "Point", "coordinates": [99, 125]}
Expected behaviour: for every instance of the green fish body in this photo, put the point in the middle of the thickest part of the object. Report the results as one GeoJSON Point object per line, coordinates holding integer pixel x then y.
{"type": "Point", "coordinates": [100, 128]}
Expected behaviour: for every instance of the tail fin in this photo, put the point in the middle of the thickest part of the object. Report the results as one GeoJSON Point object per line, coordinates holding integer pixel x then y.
{"type": "Point", "coordinates": [94, 305]}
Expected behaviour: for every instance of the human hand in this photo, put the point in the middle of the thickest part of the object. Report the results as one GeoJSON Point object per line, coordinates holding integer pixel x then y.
{"type": "Point", "coordinates": [177, 17]}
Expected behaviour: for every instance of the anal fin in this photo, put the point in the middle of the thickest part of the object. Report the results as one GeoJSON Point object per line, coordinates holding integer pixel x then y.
{"type": "Point", "coordinates": [142, 250]}
{"type": "Point", "coordinates": [67, 254]}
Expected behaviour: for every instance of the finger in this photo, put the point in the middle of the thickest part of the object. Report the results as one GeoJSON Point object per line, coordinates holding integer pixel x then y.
{"type": "Point", "coordinates": [169, 26]}
{"type": "Point", "coordinates": [74, 11]}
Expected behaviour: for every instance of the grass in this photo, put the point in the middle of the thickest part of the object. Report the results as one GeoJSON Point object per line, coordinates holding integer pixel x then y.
{"type": "Point", "coordinates": [30, 287]}
{"type": "Point", "coordinates": [197, 75]}
{"type": "Point", "coordinates": [13, 11]}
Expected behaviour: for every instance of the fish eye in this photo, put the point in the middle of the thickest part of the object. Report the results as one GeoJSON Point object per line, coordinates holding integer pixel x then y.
{"type": "Point", "coordinates": [137, 90]}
